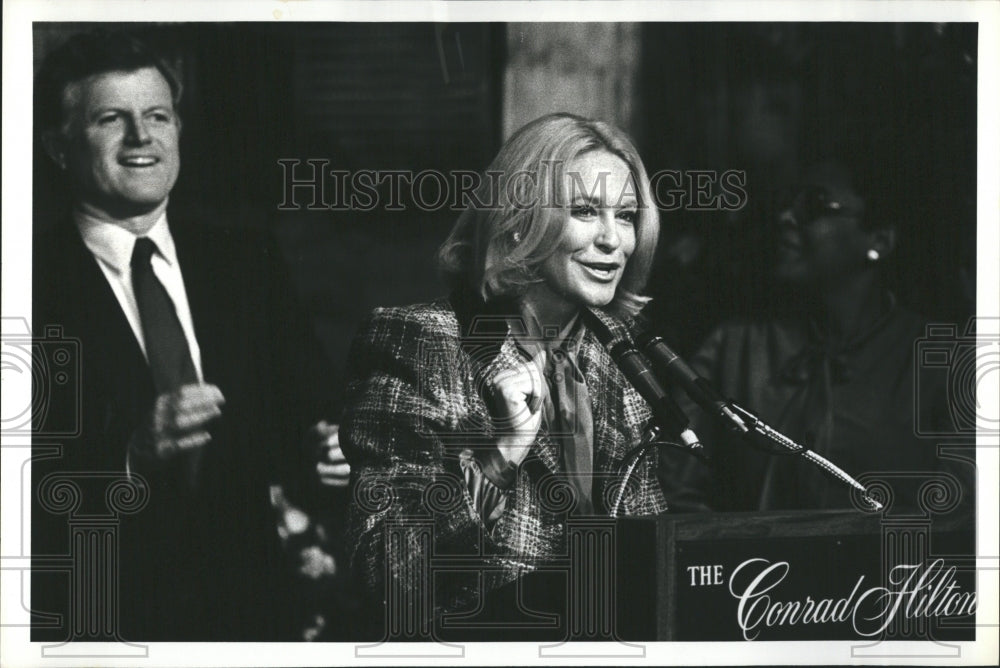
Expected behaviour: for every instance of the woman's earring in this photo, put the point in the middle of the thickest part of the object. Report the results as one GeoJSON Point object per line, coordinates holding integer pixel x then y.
{"type": "Point", "coordinates": [517, 237]}
{"type": "Point", "coordinates": [873, 255]}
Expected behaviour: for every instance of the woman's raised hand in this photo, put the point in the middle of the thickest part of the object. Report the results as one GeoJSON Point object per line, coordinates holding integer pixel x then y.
{"type": "Point", "coordinates": [517, 410]}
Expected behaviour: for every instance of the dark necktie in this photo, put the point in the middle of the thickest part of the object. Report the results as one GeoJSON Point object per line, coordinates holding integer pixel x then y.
{"type": "Point", "coordinates": [166, 346]}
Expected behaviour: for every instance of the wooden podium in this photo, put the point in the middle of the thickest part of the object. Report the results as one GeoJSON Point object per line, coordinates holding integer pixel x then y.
{"type": "Point", "coordinates": [803, 575]}
{"type": "Point", "coordinates": [765, 576]}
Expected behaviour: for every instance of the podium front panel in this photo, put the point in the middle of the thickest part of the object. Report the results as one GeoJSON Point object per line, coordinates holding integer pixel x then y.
{"type": "Point", "coordinates": [827, 575]}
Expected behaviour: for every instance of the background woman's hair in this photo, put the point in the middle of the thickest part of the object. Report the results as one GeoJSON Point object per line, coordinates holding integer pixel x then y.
{"type": "Point", "coordinates": [516, 217]}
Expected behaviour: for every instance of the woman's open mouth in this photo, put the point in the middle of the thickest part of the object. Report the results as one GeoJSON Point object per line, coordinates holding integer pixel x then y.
{"type": "Point", "coordinates": [601, 271]}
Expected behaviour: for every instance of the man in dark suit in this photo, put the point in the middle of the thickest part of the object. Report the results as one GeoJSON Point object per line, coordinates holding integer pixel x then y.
{"type": "Point", "coordinates": [194, 372]}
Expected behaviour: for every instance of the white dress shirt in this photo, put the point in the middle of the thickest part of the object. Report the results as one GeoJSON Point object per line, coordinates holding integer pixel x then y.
{"type": "Point", "coordinates": [112, 245]}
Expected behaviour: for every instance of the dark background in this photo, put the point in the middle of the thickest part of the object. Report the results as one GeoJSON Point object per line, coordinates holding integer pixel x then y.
{"type": "Point", "coordinates": [755, 97]}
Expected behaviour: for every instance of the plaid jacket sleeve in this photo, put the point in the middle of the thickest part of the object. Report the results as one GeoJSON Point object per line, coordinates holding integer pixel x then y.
{"type": "Point", "coordinates": [406, 393]}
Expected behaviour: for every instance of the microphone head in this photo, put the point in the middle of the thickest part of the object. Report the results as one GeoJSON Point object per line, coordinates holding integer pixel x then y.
{"type": "Point", "coordinates": [644, 337]}
{"type": "Point", "coordinates": [621, 349]}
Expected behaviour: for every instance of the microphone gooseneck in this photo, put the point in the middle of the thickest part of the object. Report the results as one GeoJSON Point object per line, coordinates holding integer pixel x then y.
{"type": "Point", "coordinates": [733, 416]}
{"type": "Point", "coordinates": [761, 429]}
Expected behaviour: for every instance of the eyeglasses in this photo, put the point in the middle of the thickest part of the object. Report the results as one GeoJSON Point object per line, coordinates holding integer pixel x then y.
{"type": "Point", "coordinates": [814, 202]}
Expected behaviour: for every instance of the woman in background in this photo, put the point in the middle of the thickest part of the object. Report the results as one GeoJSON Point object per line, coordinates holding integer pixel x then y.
{"type": "Point", "coordinates": [477, 424]}
{"type": "Point", "coordinates": [836, 372]}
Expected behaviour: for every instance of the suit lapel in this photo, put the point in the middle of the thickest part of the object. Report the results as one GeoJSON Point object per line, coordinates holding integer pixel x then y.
{"type": "Point", "coordinates": [203, 294]}
{"type": "Point", "coordinates": [72, 292]}
{"type": "Point", "coordinates": [101, 310]}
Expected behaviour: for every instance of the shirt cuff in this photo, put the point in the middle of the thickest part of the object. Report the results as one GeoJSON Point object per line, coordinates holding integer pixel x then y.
{"type": "Point", "coordinates": [488, 499]}
{"type": "Point", "coordinates": [497, 470]}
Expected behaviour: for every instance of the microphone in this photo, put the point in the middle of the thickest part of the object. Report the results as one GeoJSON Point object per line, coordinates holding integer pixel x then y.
{"type": "Point", "coordinates": [666, 411]}
{"type": "Point", "coordinates": [637, 371]}
{"type": "Point", "coordinates": [696, 387]}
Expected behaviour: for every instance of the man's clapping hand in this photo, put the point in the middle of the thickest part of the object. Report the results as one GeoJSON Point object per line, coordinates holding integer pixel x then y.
{"type": "Point", "coordinates": [332, 467]}
{"type": "Point", "coordinates": [178, 422]}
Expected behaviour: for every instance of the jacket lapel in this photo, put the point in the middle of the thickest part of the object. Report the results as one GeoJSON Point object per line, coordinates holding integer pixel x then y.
{"type": "Point", "coordinates": [606, 403]}
{"type": "Point", "coordinates": [101, 308]}
{"type": "Point", "coordinates": [215, 310]}
{"type": "Point", "coordinates": [620, 415]}
{"type": "Point", "coordinates": [72, 292]}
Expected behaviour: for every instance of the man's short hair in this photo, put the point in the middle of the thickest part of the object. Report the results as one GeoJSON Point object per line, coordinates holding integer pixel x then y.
{"type": "Point", "coordinates": [88, 54]}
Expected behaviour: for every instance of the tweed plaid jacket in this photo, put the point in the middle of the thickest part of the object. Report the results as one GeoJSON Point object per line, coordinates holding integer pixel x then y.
{"type": "Point", "coordinates": [414, 404]}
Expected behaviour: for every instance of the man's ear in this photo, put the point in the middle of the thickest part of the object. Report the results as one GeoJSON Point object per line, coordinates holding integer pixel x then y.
{"type": "Point", "coordinates": [55, 147]}
{"type": "Point", "coordinates": [882, 239]}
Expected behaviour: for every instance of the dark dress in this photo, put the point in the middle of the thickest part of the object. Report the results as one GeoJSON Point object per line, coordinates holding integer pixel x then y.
{"type": "Point", "coordinates": [866, 405]}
